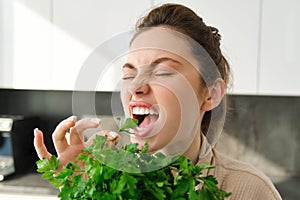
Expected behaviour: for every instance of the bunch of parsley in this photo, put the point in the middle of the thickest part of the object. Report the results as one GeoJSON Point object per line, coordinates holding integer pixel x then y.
{"type": "Point", "coordinates": [129, 173]}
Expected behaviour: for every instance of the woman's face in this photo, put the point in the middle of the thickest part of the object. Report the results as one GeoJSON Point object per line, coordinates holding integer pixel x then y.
{"type": "Point", "coordinates": [162, 90]}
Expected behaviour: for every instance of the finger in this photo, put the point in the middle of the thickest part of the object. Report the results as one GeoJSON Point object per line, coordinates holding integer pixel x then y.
{"type": "Point", "coordinates": [113, 136]}
{"type": "Point", "coordinates": [59, 135]}
{"type": "Point", "coordinates": [112, 139]}
{"type": "Point", "coordinates": [39, 145]}
{"type": "Point", "coordinates": [76, 133]}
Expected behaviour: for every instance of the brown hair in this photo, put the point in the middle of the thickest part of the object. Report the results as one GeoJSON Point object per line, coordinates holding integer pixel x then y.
{"type": "Point", "coordinates": [186, 21]}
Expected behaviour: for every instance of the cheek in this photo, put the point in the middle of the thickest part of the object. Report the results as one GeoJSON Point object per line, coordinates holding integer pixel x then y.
{"type": "Point", "coordinates": [125, 98]}
{"type": "Point", "coordinates": [195, 82]}
{"type": "Point", "coordinates": [168, 101]}
{"type": "Point", "coordinates": [198, 86]}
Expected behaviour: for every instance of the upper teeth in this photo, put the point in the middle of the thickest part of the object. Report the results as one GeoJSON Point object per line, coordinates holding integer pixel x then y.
{"type": "Point", "coordinates": [143, 111]}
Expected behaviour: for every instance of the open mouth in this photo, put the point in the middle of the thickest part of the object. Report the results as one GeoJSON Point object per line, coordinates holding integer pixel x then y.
{"type": "Point", "coordinates": [146, 115]}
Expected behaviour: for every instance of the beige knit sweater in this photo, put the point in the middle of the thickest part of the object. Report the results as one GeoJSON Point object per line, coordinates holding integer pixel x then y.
{"type": "Point", "coordinates": [242, 180]}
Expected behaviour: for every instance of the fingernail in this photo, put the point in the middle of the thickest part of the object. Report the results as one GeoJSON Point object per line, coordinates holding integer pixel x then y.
{"type": "Point", "coordinates": [34, 131]}
{"type": "Point", "coordinates": [113, 134]}
{"type": "Point", "coordinates": [95, 121]}
{"type": "Point", "coordinates": [70, 119]}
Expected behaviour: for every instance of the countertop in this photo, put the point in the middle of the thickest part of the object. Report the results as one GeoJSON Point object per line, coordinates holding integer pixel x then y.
{"type": "Point", "coordinates": [29, 185]}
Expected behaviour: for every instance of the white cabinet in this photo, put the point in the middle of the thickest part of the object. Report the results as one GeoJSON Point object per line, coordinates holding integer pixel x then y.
{"type": "Point", "coordinates": [45, 42]}
{"type": "Point", "coordinates": [238, 23]}
{"type": "Point", "coordinates": [80, 26]}
{"type": "Point", "coordinates": [26, 44]}
{"type": "Point", "coordinates": [280, 43]}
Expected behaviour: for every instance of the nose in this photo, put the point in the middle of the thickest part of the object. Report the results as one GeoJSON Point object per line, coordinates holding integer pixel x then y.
{"type": "Point", "coordinates": [139, 89]}
{"type": "Point", "coordinates": [144, 89]}
{"type": "Point", "coordinates": [140, 84]}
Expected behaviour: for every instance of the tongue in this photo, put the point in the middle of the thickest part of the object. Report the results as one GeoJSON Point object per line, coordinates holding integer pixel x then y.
{"type": "Point", "coordinates": [147, 120]}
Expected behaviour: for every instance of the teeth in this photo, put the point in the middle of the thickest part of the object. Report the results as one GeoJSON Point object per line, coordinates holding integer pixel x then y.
{"type": "Point", "coordinates": [140, 129]}
{"type": "Point", "coordinates": [143, 111]}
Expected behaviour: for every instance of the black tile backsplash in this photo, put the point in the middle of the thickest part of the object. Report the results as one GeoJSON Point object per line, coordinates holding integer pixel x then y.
{"type": "Point", "coordinates": [50, 106]}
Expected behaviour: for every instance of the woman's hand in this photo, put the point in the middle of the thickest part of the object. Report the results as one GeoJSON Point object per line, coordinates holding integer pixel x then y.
{"type": "Point", "coordinates": [68, 139]}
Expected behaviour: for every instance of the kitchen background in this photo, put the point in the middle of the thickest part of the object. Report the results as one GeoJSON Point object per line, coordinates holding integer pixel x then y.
{"type": "Point", "coordinates": [45, 43]}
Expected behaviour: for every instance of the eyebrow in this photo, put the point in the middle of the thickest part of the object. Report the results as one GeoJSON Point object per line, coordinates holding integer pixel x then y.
{"type": "Point", "coordinates": [154, 63]}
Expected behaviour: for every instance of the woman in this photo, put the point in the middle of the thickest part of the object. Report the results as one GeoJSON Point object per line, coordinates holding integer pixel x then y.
{"type": "Point", "coordinates": [174, 82]}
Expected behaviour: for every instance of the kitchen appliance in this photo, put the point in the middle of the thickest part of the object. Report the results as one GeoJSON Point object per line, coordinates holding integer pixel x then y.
{"type": "Point", "coordinates": [17, 154]}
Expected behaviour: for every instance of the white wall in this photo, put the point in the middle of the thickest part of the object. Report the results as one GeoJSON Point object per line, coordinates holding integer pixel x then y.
{"type": "Point", "coordinates": [280, 48]}
{"type": "Point", "coordinates": [51, 39]}
{"type": "Point", "coordinates": [6, 74]}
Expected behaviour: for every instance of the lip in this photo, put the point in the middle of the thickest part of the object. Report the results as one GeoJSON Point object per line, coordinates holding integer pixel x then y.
{"type": "Point", "coordinates": [145, 131]}
{"type": "Point", "coordinates": [139, 103]}
{"type": "Point", "coordinates": [133, 104]}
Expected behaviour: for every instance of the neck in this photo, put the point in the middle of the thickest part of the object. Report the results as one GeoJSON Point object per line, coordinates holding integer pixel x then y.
{"type": "Point", "coordinates": [192, 153]}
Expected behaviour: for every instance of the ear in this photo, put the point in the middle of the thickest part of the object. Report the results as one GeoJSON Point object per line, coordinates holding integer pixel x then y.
{"type": "Point", "coordinates": [214, 96]}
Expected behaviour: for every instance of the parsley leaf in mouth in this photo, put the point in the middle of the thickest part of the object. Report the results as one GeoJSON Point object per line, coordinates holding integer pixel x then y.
{"type": "Point", "coordinates": [140, 118]}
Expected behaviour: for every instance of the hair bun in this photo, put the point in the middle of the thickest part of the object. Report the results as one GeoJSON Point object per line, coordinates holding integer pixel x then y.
{"type": "Point", "coordinates": [215, 34]}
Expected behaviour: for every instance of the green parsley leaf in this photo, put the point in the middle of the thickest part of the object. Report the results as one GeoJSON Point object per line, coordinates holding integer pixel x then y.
{"type": "Point", "coordinates": [105, 174]}
{"type": "Point", "coordinates": [129, 124]}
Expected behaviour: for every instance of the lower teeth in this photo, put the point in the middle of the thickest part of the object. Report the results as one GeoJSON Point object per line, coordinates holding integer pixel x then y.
{"type": "Point", "coordinates": [140, 129]}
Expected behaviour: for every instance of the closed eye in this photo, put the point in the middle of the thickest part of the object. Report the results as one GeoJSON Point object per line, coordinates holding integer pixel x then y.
{"type": "Point", "coordinates": [128, 77]}
{"type": "Point", "coordinates": [164, 74]}
{"type": "Point", "coordinates": [163, 71]}
{"type": "Point", "coordinates": [129, 72]}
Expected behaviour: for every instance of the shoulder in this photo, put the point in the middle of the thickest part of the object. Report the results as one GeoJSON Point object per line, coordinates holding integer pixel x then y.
{"type": "Point", "coordinates": [242, 179]}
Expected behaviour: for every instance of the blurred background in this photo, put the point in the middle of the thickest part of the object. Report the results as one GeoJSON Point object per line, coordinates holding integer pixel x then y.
{"type": "Point", "coordinates": [43, 45]}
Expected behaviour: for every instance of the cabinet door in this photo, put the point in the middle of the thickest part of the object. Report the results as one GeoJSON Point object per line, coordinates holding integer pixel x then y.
{"type": "Point", "coordinates": [26, 35]}
{"type": "Point", "coordinates": [280, 42]}
{"type": "Point", "coordinates": [80, 26]}
{"type": "Point", "coordinates": [238, 23]}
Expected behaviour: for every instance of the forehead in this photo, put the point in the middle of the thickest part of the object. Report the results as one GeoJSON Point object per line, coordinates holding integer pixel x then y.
{"type": "Point", "coordinates": [156, 41]}
{"type": "Point", "coordinates": [159, 37]}
{"type": "Point", "coordinates": [149, 55]}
